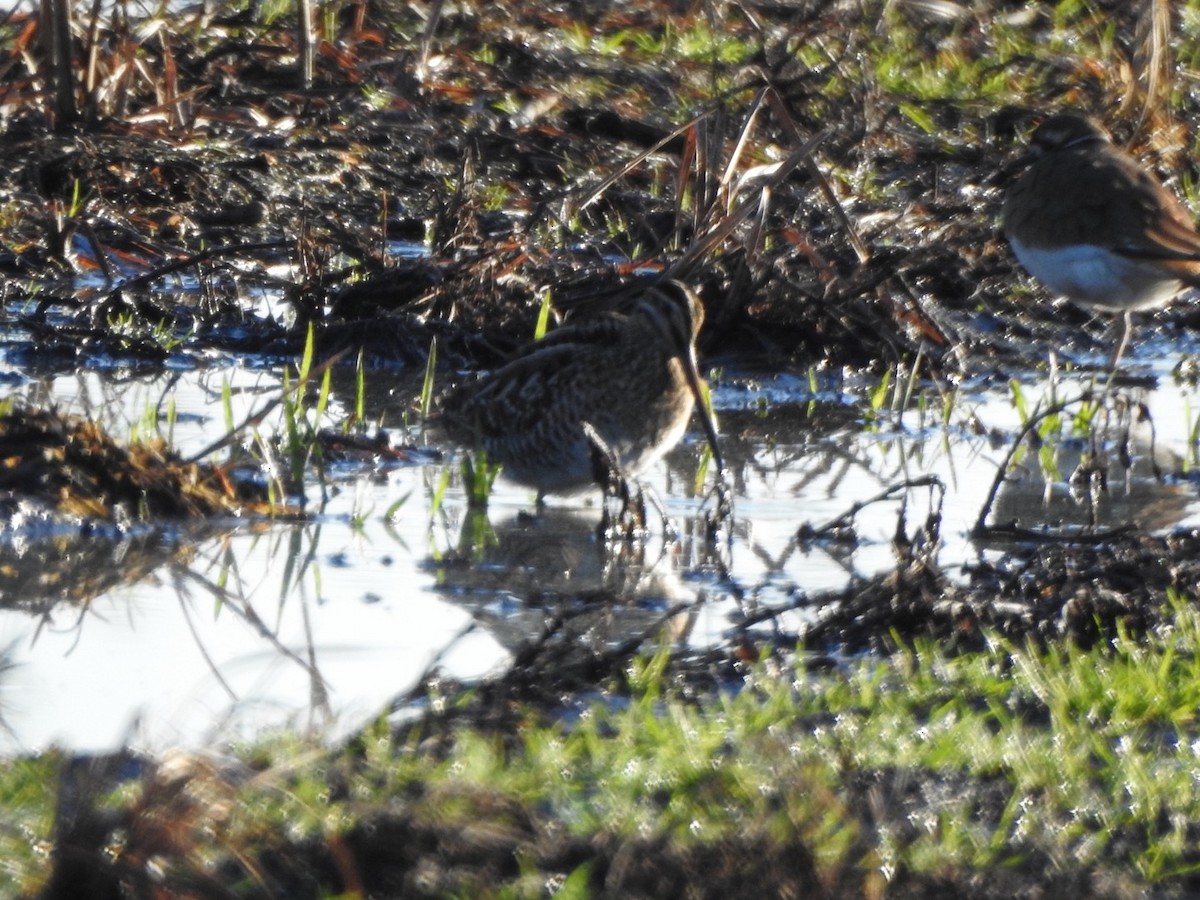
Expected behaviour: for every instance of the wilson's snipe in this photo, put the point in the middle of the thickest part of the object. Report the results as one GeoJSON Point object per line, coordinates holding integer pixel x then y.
{"type": "Point", "coordinates": [629, 380]}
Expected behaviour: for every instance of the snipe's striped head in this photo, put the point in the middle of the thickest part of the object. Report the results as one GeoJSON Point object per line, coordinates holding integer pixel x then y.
{"type": "Point", "coordinates": [676, 313]}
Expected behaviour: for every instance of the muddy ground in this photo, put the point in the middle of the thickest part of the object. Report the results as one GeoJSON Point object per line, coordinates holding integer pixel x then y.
{"type": "Point", "coordinates": [523, 165]}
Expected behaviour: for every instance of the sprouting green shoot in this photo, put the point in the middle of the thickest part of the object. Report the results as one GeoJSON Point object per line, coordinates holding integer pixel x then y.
{"type": "Point", "coordinates": [439, 493]}
{"type": "Point", "coordinates": [1085, 419]}
{"type": "Point", "coordinates": [291, 423]}
{"type": "Point", "coordinates": [227, 408]}
{"type": "Point", "coordinates": [1193, 455]}
{"type": "Point", "coordinates": [476, 535]}
{"type": "Point", "coordinates": [919, 117]}
{"type": "Point", "coordinates": [1019, 402]}
{"type": "Point", "coordinates": [323, 396]}
{"type": "Point", "coordinates": [706, 454]}
{"type": "Point", "coordinates": [543, 320]}
{"type": "Point", "coordinates": [911, 385]}
{"type": "Point", "coordinates": [427, 384]}
{"type": "Point", "coordinates": [478, 477]}
{"type": "Point", "coordinates": [77, 198]}
{"type": "Point", "coordinates": [702, 469]}
{"type": "Point", "coordinates": [360, 390]}
{"type": "Point", "coordinates": [306, 359]}
{"type": "Point", "coordinates": [948, 399]}
{"type": "Point", "coordinates": [880, 392]}
{"type": "Point", "coordinates": [300, 419]}
{"type": "Point", "coordinates": [149, 423]}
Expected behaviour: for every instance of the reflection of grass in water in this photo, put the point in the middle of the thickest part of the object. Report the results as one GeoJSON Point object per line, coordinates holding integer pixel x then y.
{"type": "Point", "coordinates": [41, 574]}
{"type": "Point", "coordinates": [477, 535]}
{"type": "Point", "coordinates": [1099, 426]}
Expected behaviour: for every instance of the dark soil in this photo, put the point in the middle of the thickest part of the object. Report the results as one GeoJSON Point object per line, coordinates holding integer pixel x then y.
{"type": "Point", "coordinates": [515, 160]}
{"type": "Point", "coordinates": [245, 169]}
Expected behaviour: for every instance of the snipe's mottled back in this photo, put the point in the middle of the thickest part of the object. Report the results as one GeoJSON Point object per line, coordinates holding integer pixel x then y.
{"type": "Point", "coordinates": [631, 378]}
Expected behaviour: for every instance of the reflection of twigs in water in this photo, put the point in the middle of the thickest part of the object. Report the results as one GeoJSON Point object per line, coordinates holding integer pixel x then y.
{"type": "Point", "coordinates": [184, 595]}
{"type": "Point", "coordinates": [774, 564]}
{"type": "Point", "coordinates": [772, 613]}
{"type": "Point", "coordinates": [54, 577]}
{"type": "Point", "coordinates": [807, 533]}
{"type": "Point", "coordinates": [835, 461]}
{"type": "Point", "coordinates": [845, 519]}
{"type": "Point", "coordinates": [691, 607]}
{"type": "Point", "coordinates": [77, 627]}
{"type": "Point", "coordinates": [982, 529]}
{"type": "Point", "coordinates": [241, 607]}
{"type": "Point", "coordinates": [298, 563]}
{"type": "Point", "coordinates": [7, 665]}
{"type": "Point", "coordinates": [256, 418]}
{"type": "Point", "coordinates": [532, 658]}
{"type": "Point", "coordinates": [835, 481]}
{"type": "Point", "coordinates": [318, 689]}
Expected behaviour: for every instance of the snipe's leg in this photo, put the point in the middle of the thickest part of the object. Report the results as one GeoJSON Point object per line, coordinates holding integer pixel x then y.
{"type": "Point", "coordinates": [1125, 331]}
{"type": "Point", "coordinates": [606, 470]}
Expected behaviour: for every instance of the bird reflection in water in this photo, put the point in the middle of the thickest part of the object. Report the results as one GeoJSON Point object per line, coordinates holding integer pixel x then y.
{"type": "Point", "coordinates": [529, 574]}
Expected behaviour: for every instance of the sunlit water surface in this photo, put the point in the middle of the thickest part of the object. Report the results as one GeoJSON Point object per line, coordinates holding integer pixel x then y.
{"type": "Point", "coordinates": [321, 626]}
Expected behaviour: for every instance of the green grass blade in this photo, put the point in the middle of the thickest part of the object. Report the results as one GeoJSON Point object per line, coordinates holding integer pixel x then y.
{"type": "Point", "coordinates": [427, 384]}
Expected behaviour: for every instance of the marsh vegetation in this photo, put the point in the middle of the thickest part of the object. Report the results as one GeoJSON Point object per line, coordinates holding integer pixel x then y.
{"type": "Point", "coordinates": [947, 643]}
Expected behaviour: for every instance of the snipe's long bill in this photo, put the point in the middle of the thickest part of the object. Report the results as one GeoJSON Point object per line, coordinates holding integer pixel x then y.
{"type": "Point", "coordinates": [631, 379]}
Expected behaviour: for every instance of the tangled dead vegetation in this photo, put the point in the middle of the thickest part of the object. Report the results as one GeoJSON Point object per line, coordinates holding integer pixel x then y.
{"type": "Point", "coordinates": [523, 162]}
{"type": "Point", "coordinates": [69, 467]}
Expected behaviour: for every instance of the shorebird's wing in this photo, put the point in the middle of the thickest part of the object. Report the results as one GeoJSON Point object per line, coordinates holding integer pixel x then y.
{"type": "Point", "coordinates": [1147, 220]}
{"type": "Point", "coordinates": [524, 394]}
